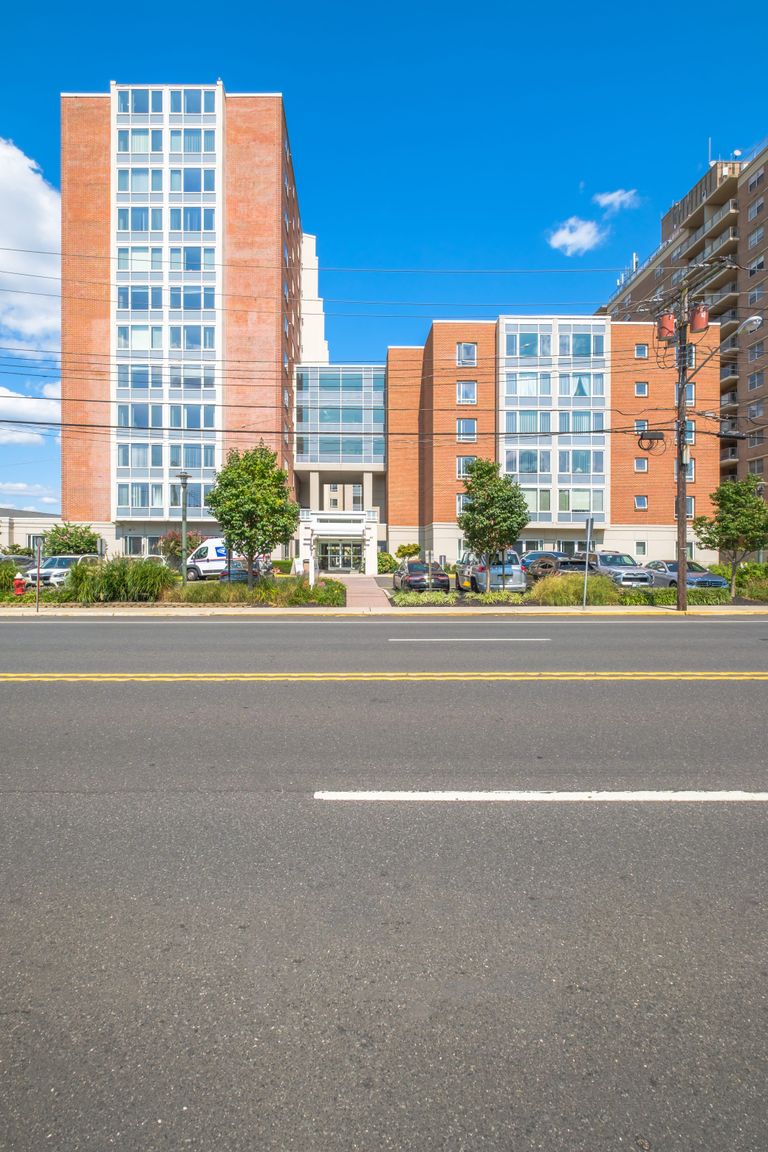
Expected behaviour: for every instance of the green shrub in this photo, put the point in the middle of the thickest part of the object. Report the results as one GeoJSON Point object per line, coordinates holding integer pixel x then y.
{"type": "Point", "coordinates": [121, 579]}
{"type": "Point", "coordinates": [288, 592]}
{"type": "Point", "coordinates": [746, 573]}
{"type": "Point", "coordinates": [7, 573]}
{"type": "Point", "coordinates": [385, 562]}
{"type": "Point", "coordinates": [567, 590]}
{"type": "Point", "coordinates": [509, 598]}
{"type": "Point", "coordinates": [756, 590]}
{"type": "Point", "coordinates": [424, 599]}
{"type": "Point", "coordinates": [405, 551]}
{"type": "Point", "coordinates": [663, 597]}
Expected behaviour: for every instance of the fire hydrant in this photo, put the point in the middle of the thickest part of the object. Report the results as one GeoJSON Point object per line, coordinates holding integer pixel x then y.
{"type": "Point", "coordinates": [18, 585]}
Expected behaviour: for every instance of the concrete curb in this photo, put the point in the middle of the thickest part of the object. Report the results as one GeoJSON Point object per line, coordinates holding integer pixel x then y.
{"type": "Point", "coordinates": [240, 611]}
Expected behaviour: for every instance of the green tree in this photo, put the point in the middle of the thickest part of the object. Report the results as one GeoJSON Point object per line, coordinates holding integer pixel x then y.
{"type": "Point", "coordinates": [251, 502]}
{"type": "Point", "coordinates": [494, 515]}
{"type": "Point", "coordinates": [407, 550]}
{"type": "Point", "coordinates": [70, 540]}
{"type": "Point", "coordinates": [739, 525]}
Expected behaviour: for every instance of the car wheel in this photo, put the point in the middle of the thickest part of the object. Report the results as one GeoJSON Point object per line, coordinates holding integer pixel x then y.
{"type": "Point", "coordinates": [473, 585]}
{"type": "Point", "coordinates": [193, 574]}
{"type": "Point", "coordinates": [672, 584]}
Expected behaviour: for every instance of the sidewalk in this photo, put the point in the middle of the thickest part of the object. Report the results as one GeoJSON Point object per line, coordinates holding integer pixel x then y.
{"type": "Point", "coordinates": [357, 610]}
{"type": "Point", "coordinates": [363, 592]}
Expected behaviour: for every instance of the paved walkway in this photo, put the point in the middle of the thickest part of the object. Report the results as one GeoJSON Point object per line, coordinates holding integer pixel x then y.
{"type": "Point", "coordinates": [364, 592]}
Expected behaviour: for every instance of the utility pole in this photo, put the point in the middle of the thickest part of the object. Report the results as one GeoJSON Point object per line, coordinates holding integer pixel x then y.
{"type": "Point", "coordinates": [183, 478]}
{"type": "Point", "coordinates": [681, 498]}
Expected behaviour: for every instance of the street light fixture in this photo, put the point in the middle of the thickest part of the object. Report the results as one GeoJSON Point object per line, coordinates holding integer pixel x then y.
{"type": "Point", "coordinates": [183, 478]}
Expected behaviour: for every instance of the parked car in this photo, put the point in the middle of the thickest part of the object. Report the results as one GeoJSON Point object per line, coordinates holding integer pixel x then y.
{"type": "Point", "coordinates": [507, 574]}
{"type": "Point", "coordinates": [417, 576]}
{"type": "Point", "coordinates": [237, 573]}
{"type": "Point", "coordinates": [664, 575]}
{"type": "Point", "coordinates": [54, 570]}
{"type": "Point", "coordinates": [20, 563]}
{"type": "Point", "coordinates": [571, 564]}
{"type": "Point", "coordinates": [536, 565]}
{"type": "Point", "coordinates": [529, 558]}
{"type": "Point", "coordinates": [620, 567]}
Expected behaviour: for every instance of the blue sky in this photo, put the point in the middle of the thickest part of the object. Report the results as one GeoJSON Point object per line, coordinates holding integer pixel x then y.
{"type": "Point", "coordinates": [425, 136]}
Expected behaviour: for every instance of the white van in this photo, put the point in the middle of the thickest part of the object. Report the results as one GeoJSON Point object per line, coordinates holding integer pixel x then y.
{"type": "Point", "coordinates": [208, 560]}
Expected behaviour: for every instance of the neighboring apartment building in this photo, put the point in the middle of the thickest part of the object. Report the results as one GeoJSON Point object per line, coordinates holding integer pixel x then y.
{"type": "Point", "coordinates": [723, 215]}
{"type": "Point", "coordinates": [181, 309]}
{"type": "Point", "coordinates": [561, 402]}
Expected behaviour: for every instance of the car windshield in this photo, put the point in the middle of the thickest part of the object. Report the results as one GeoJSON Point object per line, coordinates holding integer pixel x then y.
{"type": "Point", "coordinates": [692, 567]}
{"type": "Point", "coordinates": [420, 566]}
{"type": "Point", "coordinates": [507, 559]}
{"type": "Point", "coordinates": [619, 560]}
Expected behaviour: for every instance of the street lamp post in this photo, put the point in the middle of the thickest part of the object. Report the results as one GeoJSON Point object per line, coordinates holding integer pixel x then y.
{"type": "Point", "coordinates": [183, 478]}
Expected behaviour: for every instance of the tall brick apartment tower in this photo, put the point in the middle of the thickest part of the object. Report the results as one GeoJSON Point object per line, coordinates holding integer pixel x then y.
{"type": "Point", "coordinates": [723, 219]}
{"type": "Point", "coordinates": [181, 309]}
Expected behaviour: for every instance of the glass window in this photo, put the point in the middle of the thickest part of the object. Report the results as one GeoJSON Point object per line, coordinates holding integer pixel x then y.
{"type": "Point", "coordinates": [466, 355]}
{"type": "Point", "coordinates": [641, 425]}
{"type": "Point", "coordinates": [139, 140]}
{"type": "Point", "coordinates": [193, 179]}
{"type": "Point", "coordinates": [209, 101]}
{"type": "Point", "coordinates": [122, 102]}
{"type": "Point", "coordinates": [122, 179]}
{"type": "Point", "coordinates": [582, 344]}
{"type": "Point", "coordinates": [192, 101]}
{"type": "Point", "coordinates": [641, 388]}
{"type": "Point", "coordinates": [157, 456]}
{"type": "Point", "coordinates": [123, 495]}
{"type": "Point", "coordinates": [462, 464]}
{"type": "Point", "coordinates": [176, 102]}
{"type": "Point", "coordinates": [123, 137]}
{"type": "Point", "coordinates": [157, 101]}
{"type": "Point", "coordinates": [641, 463]}
{"type": "Point", "coordinates": [641, 351]}
{"type": "Point", "coordinates": [140, 101]}
{"type": "Point", "coordinates": [209, 140]}
{"type": "Point", "coordinates": [466, 430]}
{"type": "Point", "coordinates": [209, 456]}
{"type": "Point", "coordinates": [641, 503]}
{"type": "Point", "coordinates": [209, 179]}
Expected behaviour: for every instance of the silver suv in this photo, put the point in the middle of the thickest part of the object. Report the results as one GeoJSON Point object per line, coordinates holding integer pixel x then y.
{"type": "Point", "coordinates": [621, 568]}
{"type": "Point", "coordinates": [54, 570]}
{"type": "Point", "coordinates": [507, 576]}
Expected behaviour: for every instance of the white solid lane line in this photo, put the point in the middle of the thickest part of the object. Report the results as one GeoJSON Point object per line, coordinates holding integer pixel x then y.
{"type": "Point", "coordinates": [470, 640]}
{"type": "Point", "coordinates": [639, 797]}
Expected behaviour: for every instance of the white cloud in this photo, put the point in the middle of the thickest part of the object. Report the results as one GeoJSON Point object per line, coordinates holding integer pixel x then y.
{"type": "Point", "coordinates": [29, 219]}
{"type": "Point", "coordinates": [48, 500]}
{"type": "Point", "coordinates": [575, 236]}
{"type": "Point", "coordinates": [21, 488]}
{"type": "Point", "coordinates": [20, 406]}
{"type": "Point", "coordinates": [613, 202]}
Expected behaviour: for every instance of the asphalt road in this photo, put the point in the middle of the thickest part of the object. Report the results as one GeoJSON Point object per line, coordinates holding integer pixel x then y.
{"type": "Point", "coordinates": [197, 953]}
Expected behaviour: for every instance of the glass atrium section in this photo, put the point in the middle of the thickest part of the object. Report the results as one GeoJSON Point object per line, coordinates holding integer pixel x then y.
{"type": "Point", "coordinates": [340, 414]}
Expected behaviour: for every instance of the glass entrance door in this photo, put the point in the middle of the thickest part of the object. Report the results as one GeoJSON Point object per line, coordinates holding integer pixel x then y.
{"type": "Point", "coordinates": [340, 556]}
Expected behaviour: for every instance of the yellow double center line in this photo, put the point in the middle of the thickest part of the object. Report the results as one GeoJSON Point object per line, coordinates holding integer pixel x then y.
{"type": "Point", "coordinates": [358, 677]}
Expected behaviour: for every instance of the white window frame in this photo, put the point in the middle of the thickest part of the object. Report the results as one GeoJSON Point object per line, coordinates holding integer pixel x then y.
{"type": "Point", "coordinates": [460, 399]}
{"type": "Point", "coordinates": [641, 463]}
{"type": "Point", "coordinates": [464, 357]}
{"type": "Point", "coordinates": [639, 505]}
{"type": "Point", "coordinates": [641, 355]}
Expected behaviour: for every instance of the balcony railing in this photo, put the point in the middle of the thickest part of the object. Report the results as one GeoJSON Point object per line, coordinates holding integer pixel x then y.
{"type": "Point", "coordinates": [730, 235]}
{"type": "Point", "coordinates": [728, 400]}
{"type": "Point", "coordinates": [727, 370]}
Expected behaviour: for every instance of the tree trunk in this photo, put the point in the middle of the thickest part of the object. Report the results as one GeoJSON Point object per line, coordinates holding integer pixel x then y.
{"type": "Point", "coordinates": [489, 559]}
{"type": "Point", "coordinates": [734, 570]}
{"type": "Point", "coordinates": [249, 560]}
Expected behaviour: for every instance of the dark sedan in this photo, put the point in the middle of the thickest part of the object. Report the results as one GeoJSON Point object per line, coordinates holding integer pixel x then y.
{"type": "Point", "coordinates": [416, 576]}
{"type": "Point", "coordinates": [530, 559]}
{"type": "Point", "coordinates": [237, 573]}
